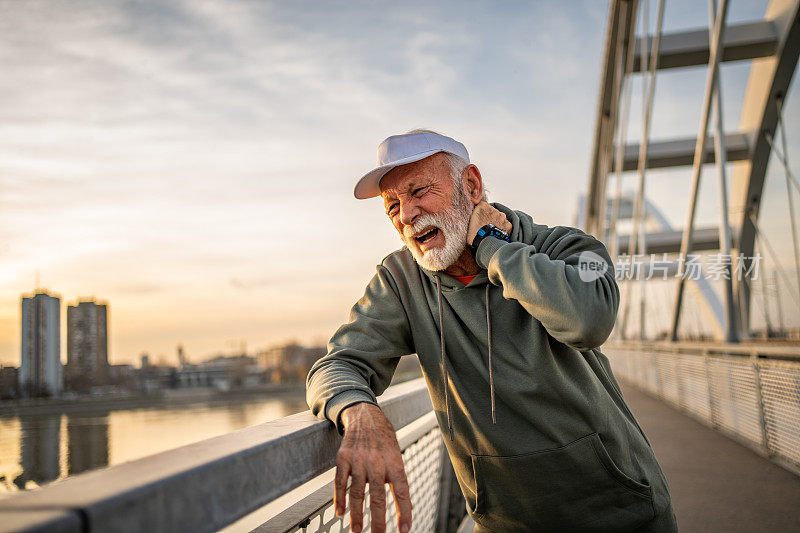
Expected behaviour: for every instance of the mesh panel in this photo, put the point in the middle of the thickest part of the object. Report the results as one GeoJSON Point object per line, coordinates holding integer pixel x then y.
{"type": "Point", "coordinates": [667, 376]}
{"type": "Point", "coordinates": [755, 399]}
{"type": "Point", "coordinates": [780, 387]}
{"type": "Point", "coordinates": [694, 389]}
{"type": "Point", "coordinates": [736, 403]}
{"type": "Point", "coordinates": [423, 464]}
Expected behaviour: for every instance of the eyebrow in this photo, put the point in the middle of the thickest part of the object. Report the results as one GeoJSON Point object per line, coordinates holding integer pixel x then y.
{"type": "Point", "coordinates": [422, 181]}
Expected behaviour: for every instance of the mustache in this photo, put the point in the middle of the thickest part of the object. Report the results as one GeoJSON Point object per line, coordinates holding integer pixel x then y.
{"type": "Point", "coordinates": [429, 220]}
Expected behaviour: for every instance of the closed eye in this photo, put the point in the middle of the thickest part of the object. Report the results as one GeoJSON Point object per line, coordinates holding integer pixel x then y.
{"type": "Point", "coordinates": [392, 208]}
{"type": "Point", "coordinates": [419, 191]}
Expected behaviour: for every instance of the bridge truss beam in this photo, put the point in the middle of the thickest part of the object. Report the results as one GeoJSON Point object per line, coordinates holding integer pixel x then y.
{"type": "Point", "coordinates": [772, 45]}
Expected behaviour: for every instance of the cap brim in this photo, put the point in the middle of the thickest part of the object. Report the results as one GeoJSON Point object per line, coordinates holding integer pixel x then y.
{"type": "Point", "coordinates": [369, 185]}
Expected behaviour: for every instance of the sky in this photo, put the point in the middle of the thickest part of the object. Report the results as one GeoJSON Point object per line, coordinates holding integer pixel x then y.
{"type": "Point", "coordinates": [191, 163]}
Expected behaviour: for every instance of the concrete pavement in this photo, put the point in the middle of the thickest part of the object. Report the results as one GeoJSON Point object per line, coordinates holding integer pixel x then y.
{"type": "Point", "coordinates": [716, 483]}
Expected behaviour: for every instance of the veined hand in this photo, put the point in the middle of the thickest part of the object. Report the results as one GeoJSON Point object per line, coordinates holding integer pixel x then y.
{"type": "Point", "coordinates": [370, 454]}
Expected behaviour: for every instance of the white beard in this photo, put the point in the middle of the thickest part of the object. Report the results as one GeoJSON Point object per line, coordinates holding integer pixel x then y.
{"type": "Point", "coordinates": [453, 224]}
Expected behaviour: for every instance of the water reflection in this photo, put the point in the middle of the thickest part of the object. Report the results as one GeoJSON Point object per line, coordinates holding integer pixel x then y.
{"type": "Point", "coordinates": [35, 449]}
{"type": "Point", "coordinates": [87, 442]}
{"type": "Point", "coordinates": [39, 449]}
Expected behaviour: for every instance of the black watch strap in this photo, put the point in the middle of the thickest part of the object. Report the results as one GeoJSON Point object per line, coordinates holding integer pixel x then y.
{"type": "Point", "coordinates": [489, 230]}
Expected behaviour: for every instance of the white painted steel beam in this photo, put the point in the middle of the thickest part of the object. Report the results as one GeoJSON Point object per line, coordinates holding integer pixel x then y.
{"type": "Point", "coordinates": [731, 321]}
{"type": "Point", "coordinates": [680, 152]}
{"type": "Point", "coordinates": [621, 12]}
{"type": "Point", "coordinates": [750, 40]}
{"type": "Point", "coordinates": [712, 78]}
{"type": "Point", "coordinates": [669, 242]}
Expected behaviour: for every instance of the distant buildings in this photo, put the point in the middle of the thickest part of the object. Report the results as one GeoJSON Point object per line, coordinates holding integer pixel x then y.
{"type": "Point", "coordinates": [291, 362]}
{"type": "Point", "coordinates": [88, 369]}
{"type": "Point", "coordinates": [222, 373]}
{"type": "Point", "coordinates": [87, 345]}
{"type": "Point", "coordinates": [9, 382]}
{"type": "Point", "coordinates": [40, 372]}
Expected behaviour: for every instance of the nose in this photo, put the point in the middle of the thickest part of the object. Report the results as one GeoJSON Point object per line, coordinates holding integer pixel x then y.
{"type": "Point", "coordinates": [408, 212]}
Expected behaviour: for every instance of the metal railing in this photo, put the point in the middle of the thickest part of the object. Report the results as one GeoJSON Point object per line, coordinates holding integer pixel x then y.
{"type": "Point", "coordinates": [750, 392]}
{"type": "Point", "coordinates": [278, 474]}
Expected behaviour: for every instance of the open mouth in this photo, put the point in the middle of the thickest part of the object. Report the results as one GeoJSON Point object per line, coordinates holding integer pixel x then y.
{"type": "Point", "coordinates": [427, 236]}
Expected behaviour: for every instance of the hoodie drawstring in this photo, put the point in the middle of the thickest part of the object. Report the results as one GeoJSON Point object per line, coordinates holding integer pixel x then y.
{"type": "Point", "coordinates": [444, 359]}
{"type": "Point", "coordinates": [489, 336]}
{"type": "Point", "coordinates": [444, 356]}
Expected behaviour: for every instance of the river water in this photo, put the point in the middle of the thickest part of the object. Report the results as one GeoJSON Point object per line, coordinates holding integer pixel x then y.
{"type": "Point", "coordinates": [39, 448]}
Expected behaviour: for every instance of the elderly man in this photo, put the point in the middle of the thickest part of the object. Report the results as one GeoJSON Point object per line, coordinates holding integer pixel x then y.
{"type": "Point", "coordinates": [507, 324]}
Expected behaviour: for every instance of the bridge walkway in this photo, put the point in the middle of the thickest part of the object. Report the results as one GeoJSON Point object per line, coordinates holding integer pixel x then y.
{"type": "Point", "coordinates": [716, 483]}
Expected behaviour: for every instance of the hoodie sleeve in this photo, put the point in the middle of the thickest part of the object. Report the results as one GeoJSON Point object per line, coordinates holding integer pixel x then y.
{"type": "Point", "coordinates": [564, 279]}
{"type": "Point", "coordinates": [362, 354]}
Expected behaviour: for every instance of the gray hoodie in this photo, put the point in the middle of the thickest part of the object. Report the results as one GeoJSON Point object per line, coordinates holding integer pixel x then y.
{"type": "Point", "coordinates": [537, 429]}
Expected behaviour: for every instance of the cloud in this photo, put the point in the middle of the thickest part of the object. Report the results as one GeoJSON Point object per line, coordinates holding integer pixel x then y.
{"type": "Point", "coordinates": [158, 153]}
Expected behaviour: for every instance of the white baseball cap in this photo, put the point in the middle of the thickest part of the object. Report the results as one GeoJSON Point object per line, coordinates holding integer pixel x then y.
{"type": "Point", "coordinates": [404, 149]}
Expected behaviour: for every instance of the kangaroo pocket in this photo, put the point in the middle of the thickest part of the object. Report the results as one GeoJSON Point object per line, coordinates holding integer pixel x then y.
{"type": "Point", "coordinates": [576, 487]}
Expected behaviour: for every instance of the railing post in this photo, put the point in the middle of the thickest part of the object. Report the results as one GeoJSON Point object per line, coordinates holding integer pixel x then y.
{"type": "Point", "coordinates": [678, 382]}
{"type": "Point", "coordinates": [659, 385]}
{"type": "Point", "coordinates": [711, 404]}
{"type": "Point", "coordinates": [760, 399]}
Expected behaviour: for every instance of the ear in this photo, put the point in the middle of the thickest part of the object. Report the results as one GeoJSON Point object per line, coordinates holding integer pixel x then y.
{"type": "Point", "coordinates": [473, 183]}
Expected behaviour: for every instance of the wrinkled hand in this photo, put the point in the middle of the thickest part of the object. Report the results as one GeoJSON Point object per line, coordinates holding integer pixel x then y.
{"type": "Point", "coordinates": [370, 454]}
{"type": "Point", "coordinates": [486, 214]}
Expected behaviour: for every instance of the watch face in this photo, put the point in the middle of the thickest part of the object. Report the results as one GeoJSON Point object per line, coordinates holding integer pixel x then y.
{"type": "Point", "coordinates": [497, 232]}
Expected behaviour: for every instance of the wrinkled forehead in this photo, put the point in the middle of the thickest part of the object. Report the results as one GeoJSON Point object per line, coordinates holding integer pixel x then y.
{"type": "Point", "coordinates": [407, 177]}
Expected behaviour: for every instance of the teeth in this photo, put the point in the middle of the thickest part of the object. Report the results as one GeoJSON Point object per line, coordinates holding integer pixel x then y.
{"type": "Point", "coordinates": [426, 236]}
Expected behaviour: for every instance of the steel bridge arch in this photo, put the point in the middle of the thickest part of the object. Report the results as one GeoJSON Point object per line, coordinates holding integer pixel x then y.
{"type": "Point", "coordinates": [773, 46]}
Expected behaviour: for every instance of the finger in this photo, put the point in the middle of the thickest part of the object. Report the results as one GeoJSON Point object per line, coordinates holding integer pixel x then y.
{"type": "Point", "coordinates": [377, 504]}
{"type": "Point", "coordinates": [340, 486]}
{"type": "Point", "coordinates": [402, 500]}
{"type": "Point", "coordinates": [356, 502]}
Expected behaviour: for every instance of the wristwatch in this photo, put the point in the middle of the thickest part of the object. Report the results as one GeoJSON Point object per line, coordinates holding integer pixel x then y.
{"type": "Point", "coordinates": [489, 230]}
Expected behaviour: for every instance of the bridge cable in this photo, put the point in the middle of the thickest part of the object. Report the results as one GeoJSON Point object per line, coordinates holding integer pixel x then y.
{"type": "Point", "coordinates": [731, 329]}
{"type": "Point", "coordinates": [771, 250]}
{"type": "Point", "coordinates": [699, 154]}
{"type": "Point", "coordinates": [781, 324]}
{"type": "Point", "coordinates": [620, 151]}
{"type": "Point", "coordinates": [764, 296]}
{"type": "Point", "coordinates": [789, 175]}
{"type": "Point", "coordinates": [785, 160]}
{"type": "Point", "coordinates": [648, 93]}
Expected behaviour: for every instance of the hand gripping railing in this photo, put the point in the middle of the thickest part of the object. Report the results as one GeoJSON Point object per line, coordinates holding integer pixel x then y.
{"type": "Point", "coordinates": [212, 484]}
{"type": "Point", "coordinates": [750, 392]}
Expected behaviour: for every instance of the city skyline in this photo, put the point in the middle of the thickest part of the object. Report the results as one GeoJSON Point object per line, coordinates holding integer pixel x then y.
{"type": "Point", "coordinates": [193, 162]}
{"type": "Point", "coordinates": [87, 335]}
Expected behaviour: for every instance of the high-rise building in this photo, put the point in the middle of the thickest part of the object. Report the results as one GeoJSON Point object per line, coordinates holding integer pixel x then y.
{"type": "Point", "coordinates": [40, 372]}
{"type": "Point", "coordinates": [182, 359]}
{"type": "Point", "coordinates": [87, 345]}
